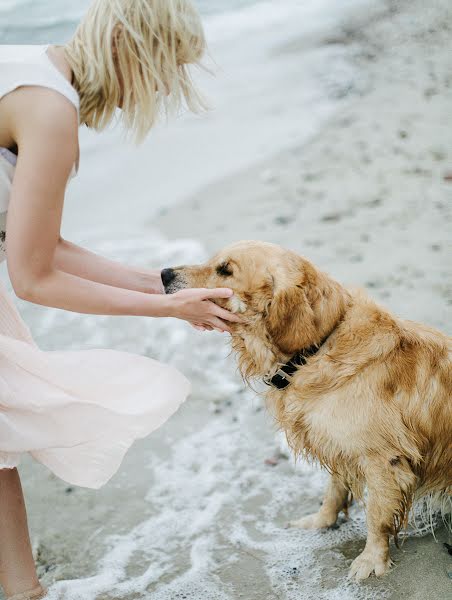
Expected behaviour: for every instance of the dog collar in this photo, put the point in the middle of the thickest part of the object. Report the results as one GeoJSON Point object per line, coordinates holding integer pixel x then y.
{"type": "Point", "coordinates": [283, 376]}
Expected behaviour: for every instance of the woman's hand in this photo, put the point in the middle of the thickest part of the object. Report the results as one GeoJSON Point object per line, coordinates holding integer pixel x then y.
{"type": "Point", "coordinates": [195, 306]}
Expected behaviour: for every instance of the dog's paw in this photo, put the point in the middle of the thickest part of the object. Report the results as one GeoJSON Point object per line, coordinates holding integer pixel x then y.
{"type": "Point", "coordinates": [314, 521]}
{"type": "Point", "coordinates": [369, 562]}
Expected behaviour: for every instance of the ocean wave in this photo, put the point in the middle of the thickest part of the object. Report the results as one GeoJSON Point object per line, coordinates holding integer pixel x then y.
{"type": "Point", "coordinates": [25, 15]}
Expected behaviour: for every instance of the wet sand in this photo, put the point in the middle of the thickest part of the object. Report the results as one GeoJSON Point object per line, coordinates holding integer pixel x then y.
{"type": "Point", "coordinates": [194, 511]}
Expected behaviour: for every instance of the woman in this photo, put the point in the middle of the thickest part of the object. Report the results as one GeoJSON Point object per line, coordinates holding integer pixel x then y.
{"type": "Point", "coordinates": [79, 412]}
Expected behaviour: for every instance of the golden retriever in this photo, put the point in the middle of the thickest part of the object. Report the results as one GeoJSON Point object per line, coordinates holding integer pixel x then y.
{"type": "Point", "coordinates": [365, 393]}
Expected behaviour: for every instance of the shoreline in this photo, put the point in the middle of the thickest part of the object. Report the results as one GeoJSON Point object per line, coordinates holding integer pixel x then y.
{"type": "Point", "coordinates": [255, 110]}
{"type": "Point", "coordinates": [194, 510]}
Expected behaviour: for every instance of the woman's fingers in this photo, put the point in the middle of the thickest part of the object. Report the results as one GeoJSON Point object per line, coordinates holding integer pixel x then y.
{"type": "Point", "coordinates": [207, 293]}
{"type": "Point", "coordinates": [219, 325]}
{"type": "Point", "coordinates": [207, 328]}
{"type": "Point", "coordinates": [224, 314]}
{"type": "Point", "coordinates": [196, 306]}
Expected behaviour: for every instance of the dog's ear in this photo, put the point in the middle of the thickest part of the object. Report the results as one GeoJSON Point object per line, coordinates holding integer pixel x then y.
{"type": "Point", "coordinates": [290, 320]}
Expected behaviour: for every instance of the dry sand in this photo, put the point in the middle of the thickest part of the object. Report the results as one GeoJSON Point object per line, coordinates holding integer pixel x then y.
{"type": "Point", "coordinates": [368, 199]}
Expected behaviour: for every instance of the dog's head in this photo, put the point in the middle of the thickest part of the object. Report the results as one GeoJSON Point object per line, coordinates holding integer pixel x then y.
{"type": "Point", "coordinates": [286, 303]}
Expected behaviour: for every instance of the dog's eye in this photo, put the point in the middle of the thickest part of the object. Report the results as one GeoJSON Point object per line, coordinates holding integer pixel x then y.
{"type": "Point", "coordinates": [224, 270]}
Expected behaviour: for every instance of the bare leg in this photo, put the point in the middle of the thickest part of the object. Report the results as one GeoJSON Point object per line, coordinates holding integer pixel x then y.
{"type": "Point", "coordinates": [17, 568]}
{"type": "Point", "coordinates": [334, 500]}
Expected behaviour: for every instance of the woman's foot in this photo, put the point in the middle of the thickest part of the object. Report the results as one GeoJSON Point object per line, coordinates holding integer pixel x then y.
{"type": "Point", "coordinates": [35, 594]}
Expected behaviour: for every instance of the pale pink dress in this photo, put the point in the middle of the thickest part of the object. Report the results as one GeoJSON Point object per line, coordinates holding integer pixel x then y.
{"type": "Point", "coordinates": [77, 412]}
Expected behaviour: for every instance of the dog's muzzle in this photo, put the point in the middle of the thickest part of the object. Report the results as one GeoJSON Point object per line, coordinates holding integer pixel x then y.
{"type": "Point", "coordinates": [167, 275]}
{"type": "Point", "coordinates": [172, 281]}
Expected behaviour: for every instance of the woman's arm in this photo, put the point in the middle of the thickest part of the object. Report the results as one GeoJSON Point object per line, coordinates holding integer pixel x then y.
{"type": "Point", "coordinates": [44, 126]}
{"type": "Point", "coordinates": [47, 137]}
{"type": "Point", "coordinates": [78, 261]}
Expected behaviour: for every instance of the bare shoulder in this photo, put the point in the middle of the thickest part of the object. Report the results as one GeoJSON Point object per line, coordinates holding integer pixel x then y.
{"type": "Point", "coordinates": [38, 114]}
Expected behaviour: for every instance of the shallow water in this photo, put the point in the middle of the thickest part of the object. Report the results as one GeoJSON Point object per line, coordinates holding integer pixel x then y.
{"type": "Point", "coordinates": [211, 525]}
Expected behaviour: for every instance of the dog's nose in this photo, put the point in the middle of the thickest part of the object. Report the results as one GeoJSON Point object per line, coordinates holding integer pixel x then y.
{"type": "Point", "coordinates": [167, 276]}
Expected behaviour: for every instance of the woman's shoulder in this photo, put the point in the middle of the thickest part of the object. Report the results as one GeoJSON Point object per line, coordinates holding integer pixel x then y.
{"type": "Point", "coordinates": [47, 133]}
{"type": "Point", "coordinates": [38, 103]}
{"type": "Point", "coordinates": [46, 129]}
{"type": "Point", "coordinates": [45, 110]}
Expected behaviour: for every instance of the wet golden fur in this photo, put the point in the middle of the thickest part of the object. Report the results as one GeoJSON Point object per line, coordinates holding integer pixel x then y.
{"type": "Point", "coordinates": [373, 406]}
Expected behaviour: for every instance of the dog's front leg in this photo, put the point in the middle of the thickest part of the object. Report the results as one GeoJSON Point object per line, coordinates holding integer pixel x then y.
{"type": "Point", "coordinates": [389, 489]}
{"type": "Point", "coordinates": [334, 500]}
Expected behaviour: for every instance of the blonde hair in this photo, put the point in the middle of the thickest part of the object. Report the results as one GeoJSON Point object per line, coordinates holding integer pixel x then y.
{"type": "Point", "coordinates": [141, 47]}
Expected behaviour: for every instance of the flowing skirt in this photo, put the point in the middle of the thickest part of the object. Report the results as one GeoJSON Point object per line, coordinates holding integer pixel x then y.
{"type": "Point", "coordinates": [77, 412]}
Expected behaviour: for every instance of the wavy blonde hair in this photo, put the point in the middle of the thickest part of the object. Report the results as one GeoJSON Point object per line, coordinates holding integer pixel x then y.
{"type": "Point", "coordinates": [135, 54]}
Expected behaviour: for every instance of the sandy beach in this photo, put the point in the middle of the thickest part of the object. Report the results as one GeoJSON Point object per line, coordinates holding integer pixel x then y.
{"type": "Point", "coordinates": [195, 512]}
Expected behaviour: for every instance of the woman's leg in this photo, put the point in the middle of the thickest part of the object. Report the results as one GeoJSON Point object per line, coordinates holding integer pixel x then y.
{"type": "Point", "coordinates": [17, 567]}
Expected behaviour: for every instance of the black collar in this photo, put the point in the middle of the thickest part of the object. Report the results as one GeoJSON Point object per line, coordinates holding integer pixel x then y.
{"type": "Point", "coordinates": [283, 376]}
